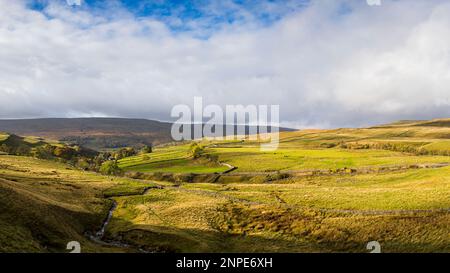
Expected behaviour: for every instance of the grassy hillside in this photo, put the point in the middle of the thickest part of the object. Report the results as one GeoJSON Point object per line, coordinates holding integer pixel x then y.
{"type": "Point", "coordinates": [309, 150]}
{"type": "Point", "coordinates": [404, 211]}
{"type": "Point", "coordinates": [395, 191]}
{"type": "Point", "coordinates": [171, 159]}
{"type": "Point", "coordinates": [46, 204]}
{"type": "Point", "coordinates": [3, 136]}
{"type": "Point", "coordinates": [251, 159]}
{"type": "Point", "coordinates": [321, 191]}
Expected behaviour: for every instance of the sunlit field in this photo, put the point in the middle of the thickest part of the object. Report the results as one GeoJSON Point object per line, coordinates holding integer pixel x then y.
{"type": "Point", "coordinates": [171, 160]}
{"type": "Point", "coordinates": [321, 191]}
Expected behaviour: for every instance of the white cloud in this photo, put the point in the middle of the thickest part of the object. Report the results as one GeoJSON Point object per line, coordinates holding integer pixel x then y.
{"type": "Point", "coordinates": [324, 67]}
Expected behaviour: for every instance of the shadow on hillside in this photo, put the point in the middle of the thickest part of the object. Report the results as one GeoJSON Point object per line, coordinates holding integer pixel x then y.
{"type": "Point", "coordinates": [32, 222]}
{"type": "Point", "coordinates": [175, 240]}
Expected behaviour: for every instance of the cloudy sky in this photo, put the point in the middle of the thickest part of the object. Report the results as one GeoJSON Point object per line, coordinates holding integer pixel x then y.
{"type": "Point", "coordinates": [326, 63]}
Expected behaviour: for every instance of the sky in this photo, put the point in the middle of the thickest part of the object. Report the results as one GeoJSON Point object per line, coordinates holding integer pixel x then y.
{"type": "Point", "coordinates": [340, 63]}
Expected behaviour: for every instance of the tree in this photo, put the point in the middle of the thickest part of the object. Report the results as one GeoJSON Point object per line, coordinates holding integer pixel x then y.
{"type": "Point", "coordinates": [4, 148]}
{"type": "Point", "coordinates": [125, 152]}
{"type": "Point", "coordinates": [146, 149]}
{"type": "Point", "coordinates": [83, 163]}
{"type": "Point", "coordinates": [195, 150]}
{"type": "Point", "coordinates": [64, 152]}
{"type": "Point", "coordinates": [23, 149]}
{"type": "Point", "coordinates": [110, 168]}
{"type": "Point", "coordinates": [99, 159]}
{"type": "Point", "coordinates": [44, 152]}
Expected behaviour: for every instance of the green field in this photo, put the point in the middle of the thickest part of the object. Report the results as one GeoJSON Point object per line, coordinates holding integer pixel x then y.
{"type": "Point", "coordinates": [321, 191]}
{"type": "Point", "coordinates": [409, 190]}
{"type": "Point", "coordinates": [408, 144]}
{"type": "Point", "coordinates": [404, 211]}
{"type": "Point", "coordinates": [169, 160]}
{"type": "Point", "coordinates": [252, 159]}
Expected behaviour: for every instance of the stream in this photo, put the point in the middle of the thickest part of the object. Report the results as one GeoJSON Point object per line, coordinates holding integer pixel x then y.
{"type": "Point", "coordinates": [101, 233]}
{"type": "Point", "coordinates": [98, 237]}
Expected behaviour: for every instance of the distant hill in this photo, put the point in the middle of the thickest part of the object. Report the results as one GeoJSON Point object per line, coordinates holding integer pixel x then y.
{"type": "Point", "coordinates": [95, 133]}
{"type": "Point", "coordinates": [442, 122]}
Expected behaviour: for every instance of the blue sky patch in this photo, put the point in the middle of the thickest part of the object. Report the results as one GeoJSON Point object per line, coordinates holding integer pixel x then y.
{"type": "Point", "coordinates": [184, 15]}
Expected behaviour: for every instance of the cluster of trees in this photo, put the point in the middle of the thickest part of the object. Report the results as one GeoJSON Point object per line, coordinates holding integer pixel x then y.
{"type": "Point", "coordinates": [47, 151]}
{"type": "Point", "coordinates": [146, 149]}
{"type": "Point", "coordinates": [415, 149]}
{"type": "Point", "coordinates": [106, 163]}
{"type": "Point", "coordinates": [43, 151]}
{"type": "Point", "coordinates": [15, 150]}
{"type": "Point", "coordinates": [352, 146]}
{"type": "Point", "coordinates": [110, 168]}
{"type": "Point", "coordinates": [129, 151]}
{"type": "Point", "coordinates": [77, 156]}
{"type": "Point", "coordinates": [124, 152]}
{"type": "Point", "coordinates": [80, 157]}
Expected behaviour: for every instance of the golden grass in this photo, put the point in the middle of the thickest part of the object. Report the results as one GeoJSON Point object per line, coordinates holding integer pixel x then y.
{"type": "Point", "coordinates": [47, 204]}
{"type": "Point", "coordinates": [405, 210]}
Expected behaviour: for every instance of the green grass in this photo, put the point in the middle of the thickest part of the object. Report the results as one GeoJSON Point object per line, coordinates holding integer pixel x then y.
{"type": "Point", "coordinates": [32, 140]}
{"type": "Point", "coordinates": [177, 166]}
{"type": "Point", "coordinates": [331, 214]}
{"type": "Point", "coordinates": [169, 219]}
{"type": "Point", "coordinates": [305, 150]}
{"type": "Point", "coordinates": [252, 159]}
{"type": "Point", "coordinates": [46, 204]}
{"type": "Point", "coordinates": [126, 188]}
{"type": "Point", "coordinates": [159, 155]}
{"type": "Point", "coordinates": [406, 210]}
{"type": "Point", "coordinates": [410, 190]}
{"type": "Point", "coordinates": [173, 159]}
{"type": "Point", "coordinates": [438, 146]}
{"type": "Point", "coordinates": [322, 214]}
